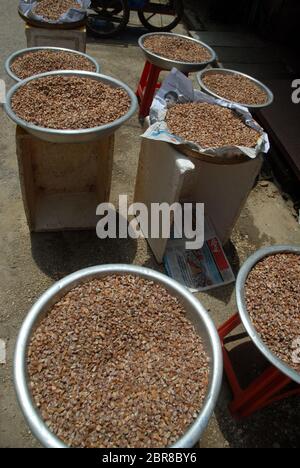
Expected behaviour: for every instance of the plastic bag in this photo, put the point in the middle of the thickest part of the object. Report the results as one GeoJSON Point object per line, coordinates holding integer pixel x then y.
{"type": "Point", "coordinates": [178, 89]}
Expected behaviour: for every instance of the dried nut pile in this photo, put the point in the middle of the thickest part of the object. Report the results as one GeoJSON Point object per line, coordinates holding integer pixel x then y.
{"type": "Point", "coordinates": [273, 301]}
{"type": "Point", "coordinates": [235, 88]}
{"type": "Point", "coordinates": [69, 102]}
{"type": "Point", "coordinates": [48, 60]}
{"type": "Point", "coordinates": [210, 126]}
{"type": "Point", "coordinates": [116, 363]}
{"type": "Point", "coordinates": [177, 48]}
{"type": "Point", "coordinates": [52, 10]}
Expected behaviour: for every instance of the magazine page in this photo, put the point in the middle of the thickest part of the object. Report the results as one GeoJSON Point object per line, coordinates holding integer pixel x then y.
{"type": "Point", "coordinates": [202, 269]}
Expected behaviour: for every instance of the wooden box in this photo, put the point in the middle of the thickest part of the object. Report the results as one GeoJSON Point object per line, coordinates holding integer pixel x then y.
{"type": "Point", "coordinates": [74, 39]}
{"type": "Point", "coordinates": [62, 184]}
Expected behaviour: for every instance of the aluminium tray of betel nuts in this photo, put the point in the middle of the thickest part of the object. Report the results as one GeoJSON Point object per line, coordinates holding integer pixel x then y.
{"type": "Point", "coordinates": [70, 106]}
{"type": "Point", "coordinates": [168, 50]}
{"type": "Point", "coordinates": [117, 356]}
{"type": "Point", "coordinates": [51, 11]}
{"type": "Point", "coordinates": [271, 313]}
{"type": "Point", "coordinates": [236, 87]}
{"type": "Point", "coordinates": [25, 63]}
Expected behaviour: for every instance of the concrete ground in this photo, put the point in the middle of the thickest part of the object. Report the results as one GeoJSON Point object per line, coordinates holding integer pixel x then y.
{"type": "Point", "coordinates": [31, 263]}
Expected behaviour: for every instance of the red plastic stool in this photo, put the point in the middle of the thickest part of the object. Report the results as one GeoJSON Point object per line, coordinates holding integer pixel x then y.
{"type": "Point", "coordinates": [264, 390]}
{"type": "Point", "coordinates": [147, 86]}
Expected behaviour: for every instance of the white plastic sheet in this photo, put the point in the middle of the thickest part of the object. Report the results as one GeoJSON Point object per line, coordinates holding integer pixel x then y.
{"type": "Point", "coordinates": [178, 87]}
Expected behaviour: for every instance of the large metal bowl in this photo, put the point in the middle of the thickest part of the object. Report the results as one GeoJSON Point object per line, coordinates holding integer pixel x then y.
{"type": "Point", "coordinates": [10, 60]}
{"type": "Point", "coordinates": [203, 73]}
{"type": "Point", "coordinates": [195, 313]}
{"type": "Point", "coordinates": [245, 317]}
{"type": "Point", "coordinates": [46, 25]}
{"type": "Point", "coordinates": [167, 64]}
{"type": "Point", "coordinates": [72, 136]}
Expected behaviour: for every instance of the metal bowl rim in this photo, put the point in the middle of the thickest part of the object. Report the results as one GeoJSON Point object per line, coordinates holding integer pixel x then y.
{"type": "Point", "coordinates": [31, 414]}
{"type": "Point", "coordinates": [176, 62]}
{"type": "Point", "coordinates": [84, 131]}
{"type": "Point", "coordinates": [228, 71]}
{"type": "Point", "coordinates": [242, 308]}
{"type": "Point", "coordinates": [56, 26]}
{"type": "Point", "coordinates": [12, 57]}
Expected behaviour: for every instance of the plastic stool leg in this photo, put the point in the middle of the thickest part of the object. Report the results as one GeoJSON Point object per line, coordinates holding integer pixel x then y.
{"type": "Point", "coordinates": [223, 331]}
{"type": "Point", "coordinates": [231, 375]}
{"type": "Point", "coordinates": [263, 391]}
{"type": "Point", "coordinates": [284, 395]}
{"type": "Point", "coordinates": [143, 81]}
{"type": "Point", "coordinates": [260, 393]}
{"type": "Point", "coordinates": [228, 326]}
{"type": "Point", "coordinates": [149, 91]}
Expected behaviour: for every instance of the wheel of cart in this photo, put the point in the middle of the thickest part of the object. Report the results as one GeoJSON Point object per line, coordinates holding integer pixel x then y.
{"type": "Point", "coordinates": [109, 17]}
{"type": "Point", "coordinates": [161, 15]}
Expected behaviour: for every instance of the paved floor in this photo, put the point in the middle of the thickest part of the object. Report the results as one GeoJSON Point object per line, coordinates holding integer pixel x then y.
{"type": "Point", "coordinates": [274, 63]}
{"type": "Point", "coordinates": [31, 263]}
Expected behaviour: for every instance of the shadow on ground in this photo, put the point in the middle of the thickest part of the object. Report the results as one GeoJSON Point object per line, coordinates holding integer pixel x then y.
{"type": "Point", "coordinates": [245, 240]}
{"type": "Point", "coordinates": [126, 38]}
{"type": "Point", "coordinates": [270, 427]}
{"type": "Point", "coordinates": [61, 253]}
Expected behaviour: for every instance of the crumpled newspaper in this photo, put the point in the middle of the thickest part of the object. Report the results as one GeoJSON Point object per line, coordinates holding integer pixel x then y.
{"type": "Point", "coordinates": [178, 89]}
{"type": "Point", "coordinates": [73, 15]}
